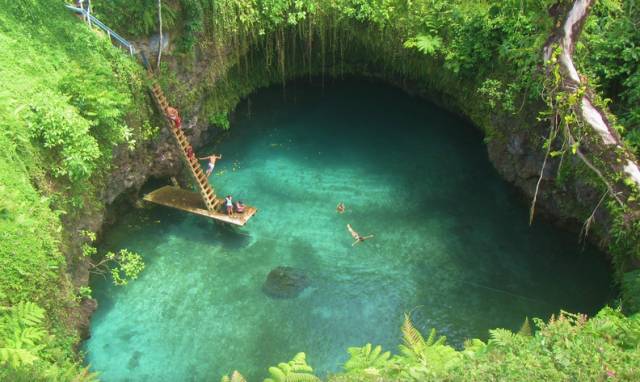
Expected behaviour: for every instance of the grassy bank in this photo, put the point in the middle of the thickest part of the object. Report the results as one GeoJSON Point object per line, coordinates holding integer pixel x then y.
{"type": "Point", "coordinates": [65, 104]}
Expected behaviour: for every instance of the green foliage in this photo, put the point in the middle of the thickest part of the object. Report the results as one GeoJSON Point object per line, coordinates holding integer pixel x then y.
{"type": "Point", "coordinates": [220, 119]}
{"type": "Point", "coordinates": [609, 54]}
{"type": "Point", "coordinates": [127, 266]}
{"type": "Point", "coordinates": [631, 290]}
{"type": "Point", "coordinates": [28, 350]}
{"type": "Point", "coordinates": [367, 359]}
{"type": "Point", "coordinates": [414, 344]}
{"type": "Point", "coordinates": [65, 134]}
{"type": "Point", "coordinates": [66, 101]}
{"type": "Point", "coordinates": [71, 94]}
{"type": "Point", "coordinates": [425, 44]}
{"type": "Point", "coordinates": [525, 329]}
{"type": "Point", "coordinates": [235, 377]}
{"type": "Point", "coordinates": [568, 347]}
{"type": "Point", "coordinates": [123, 265]}
{"type": "Point", "coordinates": [193, 24]}
{"type": "Point", "coordinates": [295, 370]}
{"type": "Point", "coordinates": [84, 292]}
{"type": "Point", "coordinates": [20, 334]}
{"type": "Point", "coordinates": [136, 18]}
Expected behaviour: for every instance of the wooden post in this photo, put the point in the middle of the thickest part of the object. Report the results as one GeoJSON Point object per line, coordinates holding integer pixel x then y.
{"type": "Point", "coordinates": [89, 12]}
{"type": "Point", "coordinates": [160, 40]}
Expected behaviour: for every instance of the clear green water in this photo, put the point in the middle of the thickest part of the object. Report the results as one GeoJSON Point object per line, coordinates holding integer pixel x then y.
{"type": "Point", "coordinates": [451, 244]}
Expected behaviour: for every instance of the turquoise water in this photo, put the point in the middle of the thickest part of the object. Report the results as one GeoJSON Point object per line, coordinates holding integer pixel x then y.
{"type": "Point", "coordinates": [452, 244]}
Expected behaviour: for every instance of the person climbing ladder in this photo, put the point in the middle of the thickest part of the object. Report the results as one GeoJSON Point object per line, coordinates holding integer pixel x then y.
{"type": "Point", "coordinates": [174, 116]}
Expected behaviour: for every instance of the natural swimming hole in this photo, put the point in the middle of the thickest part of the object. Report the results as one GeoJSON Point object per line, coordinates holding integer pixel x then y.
{"type": "Point", "coordinates": [452, 244]}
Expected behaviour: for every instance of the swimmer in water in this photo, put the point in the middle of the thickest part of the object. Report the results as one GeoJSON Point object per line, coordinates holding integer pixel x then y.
{"type": "Point", "coordinates": [340, 208]}
{"type": "Point", "coordinates": [357, 236]}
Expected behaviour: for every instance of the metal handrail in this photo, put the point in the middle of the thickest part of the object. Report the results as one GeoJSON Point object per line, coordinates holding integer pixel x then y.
{"type": "Point", "coordinates": [112, 35]}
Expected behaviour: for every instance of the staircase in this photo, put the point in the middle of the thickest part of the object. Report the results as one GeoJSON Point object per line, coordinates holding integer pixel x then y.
{"type": "Point", "coordinates": [206, 191]}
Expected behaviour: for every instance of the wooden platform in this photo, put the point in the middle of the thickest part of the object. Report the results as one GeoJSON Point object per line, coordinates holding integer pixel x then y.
{"type": "Point", "coordinates": [176, 197]}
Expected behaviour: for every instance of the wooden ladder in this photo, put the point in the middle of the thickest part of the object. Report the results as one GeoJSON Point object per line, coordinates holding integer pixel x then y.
{"type": "Point", "coordinates": [206, 191]}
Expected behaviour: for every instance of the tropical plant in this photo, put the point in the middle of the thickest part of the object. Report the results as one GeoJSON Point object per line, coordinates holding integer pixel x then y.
{"type": "Point", "coordinates": [26, 347]}
{"type": "Point", "coordinates": [425, 44]}
{"type": "Point", "coordinates": [123, 265]}
{"type": "Point", "coordinates": [235, 377]}
{"type": "Point", "coordinates": [295, 370]}
{"type": "Point", "coordinates": [368, 359]}
{"type": "Point", "coordinates": [414, 345]}
{"type": "Point", "coordinates": [21, 332]}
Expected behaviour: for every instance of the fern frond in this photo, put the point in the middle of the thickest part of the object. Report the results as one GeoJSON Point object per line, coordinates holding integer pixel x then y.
{"type": "Point", "coordinates": [411, 336]}
{"type": "Point", "coordinates": [16, 357]}
{"type": "Point", "coordinates": [474, 346]}
{"type": "Point", "coordinates": [525, 329]}
{"type": "Point", "coordinates": [235, 377]}
{"type": "Point", "coordinates": [295, 370]}
{"type": "Point", "coordinates": [364, 358]}
{"type": "Point", "coordinates": [425, 44]}
{"type": "Point", "coordinates": [27, 313]}
{"type": "Point", "coordinates": [501, 337]}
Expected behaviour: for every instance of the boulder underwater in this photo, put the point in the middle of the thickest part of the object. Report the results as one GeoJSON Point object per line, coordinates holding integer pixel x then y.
{"type": "Point", "coordinates": [285, 282]}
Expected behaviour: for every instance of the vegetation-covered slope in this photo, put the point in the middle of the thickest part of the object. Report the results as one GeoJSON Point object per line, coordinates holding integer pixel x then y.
{"type": "Point", "coordinates": [568, 348]}
{"type": "Point", "coordinates": [63, 102]}
{"type": "Point", "coordinates": [69, 98]}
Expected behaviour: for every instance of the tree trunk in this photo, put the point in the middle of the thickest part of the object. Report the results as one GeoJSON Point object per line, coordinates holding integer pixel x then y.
{"type": "Point", "coordinates": [600, 148]}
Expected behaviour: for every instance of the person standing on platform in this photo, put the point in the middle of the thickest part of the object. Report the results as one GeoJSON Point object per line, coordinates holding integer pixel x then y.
{"type": "Point", "coordinates": [229, 204]}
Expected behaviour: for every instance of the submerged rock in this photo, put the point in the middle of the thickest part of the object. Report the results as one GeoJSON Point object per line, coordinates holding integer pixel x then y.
{"type": "Point", "coordinates": [285, 282]}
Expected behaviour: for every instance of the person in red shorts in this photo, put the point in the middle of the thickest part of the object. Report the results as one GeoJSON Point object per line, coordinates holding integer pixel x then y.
{"type": "Point", "coordinates": [174, 116]}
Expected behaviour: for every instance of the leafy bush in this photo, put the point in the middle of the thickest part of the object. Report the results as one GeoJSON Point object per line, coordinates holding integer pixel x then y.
{"type": "Point", "coordinates": [65, 102]}
{"type": "Point", "coordinates": [59, 128]}
{"type": "Point", "coordinates": [27, 349]}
